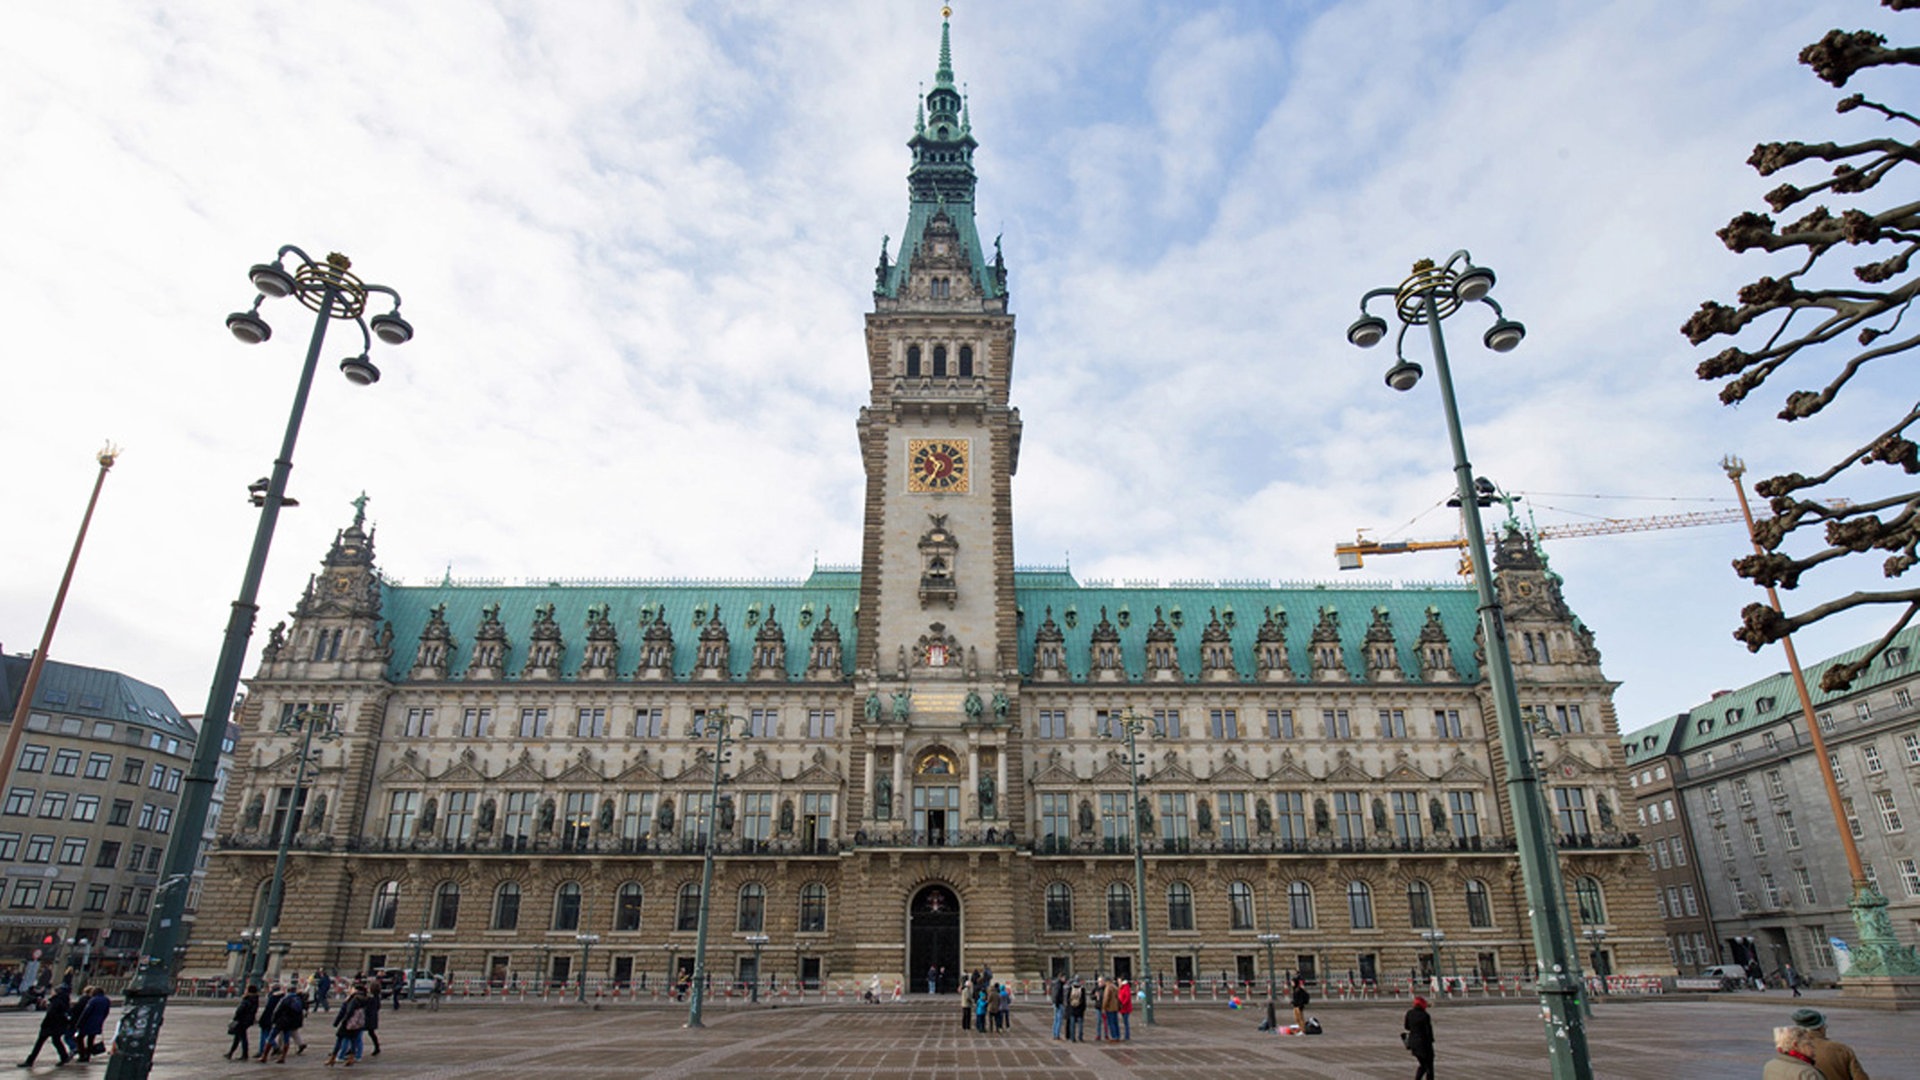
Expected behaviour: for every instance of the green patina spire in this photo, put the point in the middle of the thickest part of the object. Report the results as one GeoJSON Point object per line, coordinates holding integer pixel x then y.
{"type": "Point", "coordinates": [944, 76]}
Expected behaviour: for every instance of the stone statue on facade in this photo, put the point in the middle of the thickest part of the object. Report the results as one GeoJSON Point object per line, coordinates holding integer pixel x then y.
{"type": "Point", "coordinates": [256, 808]}
{"type": "Point", "coordinates": [974, 707]}
{"type": "Point", "coordinates": [1000, 707]}
{"type": "Point", "coordinates": [1086, 815]}
{"type": "Point", "coordinates": [902, 705]}
{"type": "Point", "coordinates": [1143, 814]}
{"type": "Point", "coordinates": [786, 816]}
{"type": "Point", "coordinates": [873, 708]}
{"type": "Point", "coordinates": [1263, 817]}
{"type": "Point", "coordinates": [883, 797]}
{"type": "Point", "coordinates": [315, 819]}
{"type": "Point", "coordinates": [487, 810]}
{"type": "Point", "coordinates": [1203, 813]}
{"type": "Point", "coordinates": [429, 816]}
{"type": "Point", "coordinates": [988, 796]}
{"type": "Point", "coordinates": [665, 817]}
{"type": "Point", "coordinates": [546, 816]}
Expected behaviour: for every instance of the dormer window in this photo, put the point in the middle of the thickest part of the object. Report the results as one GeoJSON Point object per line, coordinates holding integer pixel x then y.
{"type": "Point", "coordinates": [1734, 715]}
{"type": "Point", "coordinates": [1896, 656]}
{"type": "Point", "coordinates": [1764, 705]}
{"type": "Point", "coordinates": [942, 289]}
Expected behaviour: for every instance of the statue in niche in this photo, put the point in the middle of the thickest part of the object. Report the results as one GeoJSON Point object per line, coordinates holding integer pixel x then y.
{"type": "Point", "coordinates": [902, 705]}
{"type": "Point", "coordinates": [1379, 815]}
{"type": "Point", "coordinates": [883, 796]}
{"type": "Point", "coordinates": [726, 813]}
{"type": "Point", "coordinates": [873, 708]}
{"type": "Point", "coordinates": [1605, 810]}
{"type": "Point", "coordinates": [255, 810]}
{"type": "Point", "coordinates": [606, 815]}
{"type": "Point", "coordinates": [546, 816]}
{"type": "Point", "coordinates": [1437, 814]}
{"type": "Point", "coordinates": [902, 663]}
{"type": "Point", "coordinates": [1203, 812]}
{"type": "Point", "coordinates": [1263, 817]}
{"type": "Point", "coordinates": [1322, 820]}
{"type": "Point", "coordinates": [386, 639]}
{"type": "Point", "coordinates": [664, 819]}
{"type": "Point", "coordinates": [1143, 813]}
{"type": "Point", "coordinates": [429, 816]}
{"type": "Point", "coordinates": [786, 816]}
{"type": "Point", "coordinates": [315, 819]}
{"type": "Point", "coordinates": [1086, 815]}
{"type": "Point", "coordinates": [1000, 707]}
{"type": "Point", "coordinates": [487, 810]}
{"type": "Point", "coordinates": [989, 793]}
{"type": "Point", "coordinates": [975, 708]}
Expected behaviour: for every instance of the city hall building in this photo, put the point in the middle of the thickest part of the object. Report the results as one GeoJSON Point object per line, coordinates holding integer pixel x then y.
{"type": "Point", "coordinates": [932, 773]}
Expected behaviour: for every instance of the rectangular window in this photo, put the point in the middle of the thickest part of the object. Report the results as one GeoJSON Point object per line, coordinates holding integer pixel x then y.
{"type": "Point", "coordinates": [99, 766]}
{"type": "Point", "coordinates": [1910, 876]}
{"type": "Point", "coordinates": [86, 807]}
{"type": "Point", "coordinates": [1406, 816]}
{"type": "Point", "coordinates": [576, 820]}
{"type": "Point", "coordinates": [53, 804]}
{"type": "Point", "coordinates": [162, 819]}
{"type": "Point", "coordinates": [516, 818]}
{"type": "Point", "coordinates": [1466, 815]}
{"type": "Point", "coordinates": [1870, 754]}
{"type": "Point", "coordinates": [66, 762]}
{"type": "Point", "coordinates": [1233, 819]}
{"type": "Point", "coordinates": [1679, 851]}
{"type": "Point", "coordinates": [1349, 817]}
{"type": "Point", "coordinates": [1742, 794]}
{"type": "Point", "coordinates": [39, 849]}
{"type": "Point", "coordinates": [1725, 838]}
{"type": "Point", "coordinates": [132, 769]}
{"type": "Point", "coordinates": [1174, 832]}
{"type": "Point", "coordinates": [109, 856]}
{"type": "Point", "coordinates": [458, 827]}
{"type": "Point", "coordinates": [1804, 879]}
{"type": "Point", "coordinates": [1770, 890]}
{"type": "Point", "coordinates": [1446, 724]}
{"type": "Point", "coordinates": [697, 820]}
{"type": "Point", "coordinates": [1103, 724]}
{"type": "Point", "coordinates": [1789, 832]}
{"type": "Point", "coordinates": [1819, 947]}
{"type": "Point", "coordinates": [60, 895]}
{"type": "Point", "coordinates": [476, 724]}
{"type": "Point", "coordinates": [419, 723]}
{"type": "Point", "coordinates": [20, 801]}
{"type": "Point", "coordinates": [1661, 858]}
{"type": "Point", "coordinates": [1833, 762]}
{"type": "Point", "coordinates": [9, 846]}
{"type": "Point", "coordinates": [1570, 811]}
{"type": "Point", "coordinates": [1567, 719]}
{"type": "Point", "coordinates": [1713, 799]}
{"type": "Point", "coordinates": [26, 893]}
{"type": "Point", "coordinates": [33, 758]}
{"type": "Point", "coordinates": [1056, 821]}
{"type": "Point", "coordinates": [1910, 742]}
{"type": "Point", "coordinates": [73, 851]}
{"type": "Point", "coordinates": [1279, 723]}
{"type": "Point", "coordinates": [820, 724]}
{"type": "Point", "coordinates": [762, 723]}
{"type": "Point", "coordinates": [1776, 785]}
{"type": "Point", "coordinates": [1673, 900]}
{"type": "Point", "coordinates": [533, 723]}
{"type": "Point", "coordinates": [1335, 725]}
{"type": "Point", "coordinates": [1116, 822]}
{"type": "Point", "coordinates": [1223, 723]}
{"type": "Point", "coordinates": [157, 778]}
{"type": "Point", "coordinates": [96, 898]}
{"type": "Point", "coordinates": [590, 724]}
{"type": "Point", "coordinates": [649, 723]}
{"type": "Point", "coordinates": [403, 813]}
{"type": "Point", "coordinates": [1853, 819]}
{"type": "Point", "coordinates": [1862, 711]}
{"type": "Point", "coordinates": [1902, 697]}
{"type": "Point", "coordinates": [1889, 813]}
{"type": "Point", "coordinates": [1290, 817]}
{"type": "Point", "coordinates": [1756, 840]}
{"type": "Point", "coordinates": [636, 817]}
{"type": "Point", "coordinates": [174, 776]}
{"type": "Point", "coordinates": [1052, 723]}
{"type": "Point", "coordinates": [1393, 723]}
{"type": "Point", "coordinates": [147, 811]}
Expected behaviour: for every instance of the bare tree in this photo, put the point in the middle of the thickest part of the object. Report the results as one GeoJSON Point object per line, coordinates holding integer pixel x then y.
{"type": "Point", "coordinates": [1812, 314]}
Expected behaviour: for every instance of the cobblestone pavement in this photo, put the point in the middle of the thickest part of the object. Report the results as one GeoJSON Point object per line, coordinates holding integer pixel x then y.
{"type": "Point", "coordinates": [1637, 1040]}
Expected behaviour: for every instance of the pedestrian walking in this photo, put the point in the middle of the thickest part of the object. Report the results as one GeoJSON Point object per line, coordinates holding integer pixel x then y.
{"type": "Point", "coordinates": [288, 1018]}
{"type": "Point", "coordinates": [347, 1026]}
{"type": "Point", "coordinates": [244, 1015]}
{"type": "Point", "coordinates": [372, 1029]}
{"type": "Point", "coordinates": [322, 988]}
{"type": "Point", "coordinates": [1835, 1060]}
{"type": "Point", "coordinates": [90, 1019]}
{"type": "Point", "coordinates": [1300, 999]}
{"type": "Point", "coordinates": [1791, 977]}
{"type": "Point", "coordinates": [1417, 1034]}
{"type": "Point", "coordinates": [53, 1025]}
{"type": "Point", "coordinates": [268, 1008]}
{"type": "Point", "coordinates": [1126, 1009]}
{"type": "Point", "coordinates": [1792, 1056]}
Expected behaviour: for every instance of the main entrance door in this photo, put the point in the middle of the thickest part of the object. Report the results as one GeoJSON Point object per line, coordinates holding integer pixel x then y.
{"type": "Point", "coordinates": [933, 938]}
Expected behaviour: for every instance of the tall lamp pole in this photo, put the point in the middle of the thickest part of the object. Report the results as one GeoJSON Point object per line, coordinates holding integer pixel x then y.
{"type": "Point", "coordinates": [418, 940]}
{"type": "Point", "coordinates": [1429, 294]}
{"type": "Point", "coordinates": [1270, 940]}
{"type": "Point", "coordinates": [758, 941]}
{"type": "Point", "coordinates": [1100, 942]}
{"type": "Point", "coordinates": [332, 292]}
{"type": "Point", "coordinates": [311, 724]}
{"type": "Point", "coordinates": [720, 724]}
{"type": "Point", "coordinates": [24, 706]}
{"type": "Point", "coordinates": [587, 942]}
{"type": "Point", "coordinates": [1879, 953]}
{"type": "Point", "coordinates": [1131, 726]}
{"type": "Point", "coordinates": [1434, 938]}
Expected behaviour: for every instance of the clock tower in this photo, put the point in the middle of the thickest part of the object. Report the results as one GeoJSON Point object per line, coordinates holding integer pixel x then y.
{"type": "Point", "coordinates": [940, 444]}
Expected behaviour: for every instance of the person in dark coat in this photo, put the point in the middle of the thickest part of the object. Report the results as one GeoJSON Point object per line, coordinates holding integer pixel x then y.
{"type": "Point", "coordinates": [90, 1019]}
{"type": "Point", "coordinates": [54, 1025]}
{"type": "Point", "coordinates": [348, 1023]}
{"type": "Point", "coordinates": [373, 1021]}
{"type": "Point", "coordinates": [1300, 999]}
{"type": "Point", "coordinates": [244, 1015]}
{"type": "Point", "coordinates": [288, 1019]}
{"type": "Point", "coordinates": [267, 1010]}
{"type": "Point", "coordinates": [1418, 1035]}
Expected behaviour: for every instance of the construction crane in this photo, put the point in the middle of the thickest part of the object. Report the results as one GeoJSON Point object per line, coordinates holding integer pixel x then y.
{"type": "Point", "coordinates": [1352, 556]}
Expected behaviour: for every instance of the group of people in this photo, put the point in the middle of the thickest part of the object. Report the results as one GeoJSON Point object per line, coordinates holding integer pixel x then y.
{"type": "Point", "coordinates": [1802, 1051]}
{"type": "Point", "coordinates": [985, 1005]}
{"type": "Point", "coordinates": [1110, 998]}
{"type": "Point", "coordinates": [73, 1025]}
{"type": "Point", "coordinates": [282, 1016]}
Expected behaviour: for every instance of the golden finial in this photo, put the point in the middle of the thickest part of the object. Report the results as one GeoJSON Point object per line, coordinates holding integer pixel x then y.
{"type": "Point", "coordinates": [946, 11]}
{"type": "Point", "coordinates": [1423, 266]}
{"type": "Point", "coordinates": [107, 455]}
{"type": "Point", "coordinates": [339, 261]}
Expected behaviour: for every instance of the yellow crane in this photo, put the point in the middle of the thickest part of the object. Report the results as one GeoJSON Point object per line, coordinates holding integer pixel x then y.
{"type": "Point", "coordinates": [1352, 556]}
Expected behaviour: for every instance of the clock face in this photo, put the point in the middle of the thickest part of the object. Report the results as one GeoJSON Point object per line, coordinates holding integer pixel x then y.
{"type": "Point", "coordinates": [938, 465]}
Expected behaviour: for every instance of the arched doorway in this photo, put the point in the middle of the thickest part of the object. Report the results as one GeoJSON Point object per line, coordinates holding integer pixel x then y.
{"type": "Point", "coordinates": [933, 938]}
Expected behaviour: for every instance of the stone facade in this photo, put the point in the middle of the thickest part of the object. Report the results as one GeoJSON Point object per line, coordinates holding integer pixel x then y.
{"type": "Point", "coordinates": [932, 773]}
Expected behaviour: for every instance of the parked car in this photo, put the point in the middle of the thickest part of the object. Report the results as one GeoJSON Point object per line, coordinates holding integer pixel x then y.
{"type": "Point", "coordinates": [1731, 976]}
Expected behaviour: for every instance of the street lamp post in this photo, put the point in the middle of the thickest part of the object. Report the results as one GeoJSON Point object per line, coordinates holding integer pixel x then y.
{"type": "Point", "coordinates": [1100, 942]}
{"type": "Point", "coordinates": [86, 951]}
{"type": "Point", "coordinates": [758, 941]}
{"type": "Point", "coordinates": [1433, 939]}
{"type": "Point", "coordinates": [417, 941]}
{"type": "Point", "coordinates": [248, 940]}
{"type": "Point", "coordinates": [546, 970]}
{"type": "Point", "coordinates": [1131, 726]}
{"type": "Point", "coordinates": [1428, 295]}
{"type": "Point", "coordinates": [332, 292]}
{"type": "Point", "coordinates": [721, 724]}
{"type": "Point", "coordinates": [311, 724]}
{"type": "Point", "coordinates": [1270, 940]}
{"type": "Point", "coordinates": [587, 942]}
{"type": "Point", "coordinates": [672, 949]}
{"type": "Point", "coordinates": [1595, 937]}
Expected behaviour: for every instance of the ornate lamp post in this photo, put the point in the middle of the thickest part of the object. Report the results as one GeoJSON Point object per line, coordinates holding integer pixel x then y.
{"type": "Point", "coordinates": [1100, 942]}
{"type": "Point", "coordinates": [546, 969]}
{"type": "Point", "coordinates": [720, 724]}
{"type": "Point", "coordinates": [1433, 939]}
{"type": "Point", "coordinates": [1428, 295]}
{"type": "Point", "coordinates": [330, 291]}
{"type": "Point", "coordinates": [587, 942]}
{"type": "Point", "coordinates": [248, 940]}
{"type": "Point", "coordinates": [417, 943]}
{"type": "Point", "coordinates": [758, 941]}
{"type": "Point", "coordinates": [1270, 940]}
{"type": "Point", "coordinates": [1131, 726]}
{"type": "Point", "coordinates": [309, 724]}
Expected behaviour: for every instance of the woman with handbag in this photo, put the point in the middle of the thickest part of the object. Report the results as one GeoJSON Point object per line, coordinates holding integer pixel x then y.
{"type": "Point", "coordinates": [347, 1026]}
{"type": "Point", "coordinates": [244, 1014]}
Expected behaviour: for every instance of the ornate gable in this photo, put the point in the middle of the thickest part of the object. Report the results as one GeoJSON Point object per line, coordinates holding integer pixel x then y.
{"type": "Point", "coordinates": [1346, 772]}
{"type": "Point", "coordinates": [405, 768]}
{"type": "Point", "coordinates": [1463, 770]}
{"type": "Point", "coordinates": [581, 770]}
{"type": "Point", "coordinates": [818, 770]}
{"type": "Point", "coordinates": [522, 771]}
{"type": "Point", "coordinates": [465, 769]}
{"type": "Point", "coordinates": [1290, 771]}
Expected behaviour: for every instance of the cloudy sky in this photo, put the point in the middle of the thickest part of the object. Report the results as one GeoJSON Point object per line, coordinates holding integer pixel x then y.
{"type": "Point", "coordinates": [637, 242]}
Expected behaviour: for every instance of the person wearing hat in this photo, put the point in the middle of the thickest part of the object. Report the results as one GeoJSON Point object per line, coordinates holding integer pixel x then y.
{"type": "Point", "coordinates": [1792, 1055]}
{"type": "Point", "coordinates": [1417, 1033]}
{"type": "Point", "coordinates": [1835, 1060]}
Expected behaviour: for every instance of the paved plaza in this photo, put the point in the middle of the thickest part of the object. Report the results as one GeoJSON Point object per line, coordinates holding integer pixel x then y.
{"type": "Point", "coordinates": [1645, 1038]}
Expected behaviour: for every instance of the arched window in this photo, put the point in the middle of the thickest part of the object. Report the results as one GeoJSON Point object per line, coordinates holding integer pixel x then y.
{"type": "Point", "coordinates": [1059, 906]}
{"type": "Point", "coordinates": [1359, 905]}
{"type": "Point", "coordinates": [1479, 911]}
{"type": "Point", "coordinates": [386, 906]}
{"type": "Point", "coordinates": [1179, 906]}
{"type": "Point", "coordinates": [566, 907]}
{"type": "Point", "coordinates": [1300, 906]}
{"type": "Point", "coordinates": [686, 915]}
{"type": "Point", "coordinates": [813, 908]}
{"type": "Point", "coordinates": [446, 906]}
{"type": "Point", "coordinates": [966, 361]}
{"type": "Point", "coordinates": [626, 907]}
{"type": "Point", "coordinates": [939, 361]}
{"type": "Point", "coordinates": [753, 908]}
{"type": "Point", "coordinates": [1119, 906]}
{"type": "Point", "coordinates": [506, 907]}
{"type": "Point", "coordinates": [1419, 905]}
{"type": "Point", "coordinates": [1586, 892]}
{"type": "Point", "coordinates": [1240, 906]}
{"type": "Point", "coordinates": [913, 359]}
